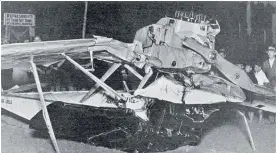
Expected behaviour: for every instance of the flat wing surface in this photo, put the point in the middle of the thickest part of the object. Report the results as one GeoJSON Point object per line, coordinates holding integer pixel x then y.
{"type": "Point", "coordinates": [44, 52]}
{"type": "Point", "coordinates": [48, 52]}
{"type": "Point", "coordinates": [24, 88]}
{"type": "Point", "coordinates": [263, 103]}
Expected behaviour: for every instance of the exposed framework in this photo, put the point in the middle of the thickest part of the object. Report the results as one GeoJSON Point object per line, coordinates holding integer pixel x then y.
{"type": "Point", "coordinates": [108, 73]}
{"type": "Point", "coordinates": [100, 82]}
{"type": "Point", "coordinates": [168, 32]}
{"type": "Point", "coordinates": [142, 83]}
{"type": "Point", "coordinates": [93, 77]}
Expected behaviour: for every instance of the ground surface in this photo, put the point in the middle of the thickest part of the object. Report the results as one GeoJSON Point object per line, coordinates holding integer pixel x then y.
{"type": "Point", "coordinates": [17, 137]}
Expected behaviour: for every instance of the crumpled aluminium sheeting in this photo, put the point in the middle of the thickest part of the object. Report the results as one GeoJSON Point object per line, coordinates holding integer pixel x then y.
{"type": "Point", "coordinates": [168, 89]}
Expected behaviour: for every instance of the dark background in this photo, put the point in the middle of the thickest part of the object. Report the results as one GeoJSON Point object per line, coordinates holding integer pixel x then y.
{"type": "Point", "coordinates": [120, 20]}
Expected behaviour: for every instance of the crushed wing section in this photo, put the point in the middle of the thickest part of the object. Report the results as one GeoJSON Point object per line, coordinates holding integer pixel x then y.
{"type": "Point", "coordinates": [181, 98]}
{"type": "Point", "coordinates": [48, 52]}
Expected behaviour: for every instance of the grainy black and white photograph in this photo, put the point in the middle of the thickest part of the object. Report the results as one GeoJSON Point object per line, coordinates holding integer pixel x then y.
{"type": "Point", "coordinates": [138, 76]}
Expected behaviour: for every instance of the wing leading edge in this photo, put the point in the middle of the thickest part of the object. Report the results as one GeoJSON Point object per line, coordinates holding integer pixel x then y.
{"type": "Point", "coordinates": [48, 52]}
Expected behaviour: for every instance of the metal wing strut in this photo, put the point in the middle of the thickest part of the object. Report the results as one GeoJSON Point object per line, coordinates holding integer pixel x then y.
{"type": "Point", "coordinates": [43, 105]}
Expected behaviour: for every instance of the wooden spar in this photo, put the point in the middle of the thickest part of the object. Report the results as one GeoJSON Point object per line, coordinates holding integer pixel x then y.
{"type": "Point", "coordinates": [145, 79]}
{"type": "Point", "coordinates": [108, 73]}
{"type": "Point", "coordinates": [84, 20]}
{"type": "Point", "coordinates": [93, 77]}
{"type": "Point", "coordinates": [133, 71]}
{"type": "Point", "coordinates": [44, 108]}
{"type": "Point", "coordinates": [247, 130]}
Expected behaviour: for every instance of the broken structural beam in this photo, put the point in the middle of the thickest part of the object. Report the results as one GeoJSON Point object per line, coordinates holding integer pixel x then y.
{"type": "Point", "coordinates": [93, 77]}
{"type": "Point", "coordinates": [133, 71]}
{"type": "Point", "coordinates": [108, 73]}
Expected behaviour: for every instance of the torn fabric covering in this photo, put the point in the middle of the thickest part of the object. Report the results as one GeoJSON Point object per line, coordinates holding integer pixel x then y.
{"type": "Point", "coordinates": [177, 58]}
{"type": "Point", "coordinates": [168, 89]}
{"type": "Point", "coordinates": [219, 85]}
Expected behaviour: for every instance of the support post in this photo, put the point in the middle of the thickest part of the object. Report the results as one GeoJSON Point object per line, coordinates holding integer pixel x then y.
{"type": "Point", "coordinates": [44, 108]}
{"type": "Point", "coordinates": [84, 20]}
{"type": "Point", "coordinates": [145, 79]}
{"type": "Point", "coordinates": [93, 77]}
{"type": "Point", "coordinates": [247, 130]}
{"type": "Point", "coordinates": [7, 34]}
{"type": "Point", "coordinates": [108, 73]}
{"type": "Point", "coordinates": [133, 71]}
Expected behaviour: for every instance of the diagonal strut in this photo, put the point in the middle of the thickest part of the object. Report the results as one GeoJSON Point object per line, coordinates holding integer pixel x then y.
{"type": "Point", "coordinates": [93, 77]}
{"type": "Point", "coordinates": [108, 73]}
{"type": "Point", "coordinates": [44, 108]}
